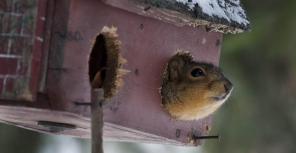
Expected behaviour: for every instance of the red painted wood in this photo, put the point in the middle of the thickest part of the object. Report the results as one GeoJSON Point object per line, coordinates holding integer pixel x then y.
{"type": "Point", "coordinates": [38, 47]}
{"type": "Point", "coordinates": [147, 44]}
{"type": "Point", "coordinates": [135, 114]}
{"type": "Point", "coordinates": [17, 57]}
{"type": "Point", "coordinates": [8, 66]}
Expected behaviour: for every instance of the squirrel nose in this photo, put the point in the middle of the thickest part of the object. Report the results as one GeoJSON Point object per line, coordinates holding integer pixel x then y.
{"type": "Point", "coordinates": [227, 86]}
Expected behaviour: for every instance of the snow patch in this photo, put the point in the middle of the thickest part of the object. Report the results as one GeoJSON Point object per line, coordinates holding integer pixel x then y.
{"type": "Point", "coordinates": [226, 9]}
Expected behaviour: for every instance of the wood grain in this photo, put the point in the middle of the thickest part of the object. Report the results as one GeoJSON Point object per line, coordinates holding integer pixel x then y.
{"type": "Point", "coordinates": [135, 113]}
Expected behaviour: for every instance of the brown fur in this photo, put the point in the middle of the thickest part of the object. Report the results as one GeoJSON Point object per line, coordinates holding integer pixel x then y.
{"type": "Point", "coordinates": [191, 98]}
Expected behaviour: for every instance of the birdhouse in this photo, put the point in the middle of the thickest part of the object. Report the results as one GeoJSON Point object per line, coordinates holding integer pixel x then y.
{"type": "Point", "coordinates": [45, 49]}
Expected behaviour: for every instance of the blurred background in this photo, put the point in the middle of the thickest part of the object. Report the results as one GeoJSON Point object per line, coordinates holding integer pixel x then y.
{"type": "Point", "coordinates": [260, 115]}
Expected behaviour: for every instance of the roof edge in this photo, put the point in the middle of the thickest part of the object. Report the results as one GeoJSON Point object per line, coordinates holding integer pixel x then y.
{"type": "Point", "coordinates": [181, 13]}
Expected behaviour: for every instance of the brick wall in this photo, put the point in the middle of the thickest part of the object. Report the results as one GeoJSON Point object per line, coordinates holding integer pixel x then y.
{"type": "Point", "coordinates": [17, 24]}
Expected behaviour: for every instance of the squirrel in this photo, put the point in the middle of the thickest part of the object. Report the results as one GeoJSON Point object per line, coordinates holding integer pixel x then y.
{"type": "Point", "coordinates": [193, 90]}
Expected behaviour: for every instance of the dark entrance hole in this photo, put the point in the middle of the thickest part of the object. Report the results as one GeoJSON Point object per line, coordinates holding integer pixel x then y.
{"type": "Point", "coordinates": [98, 62]}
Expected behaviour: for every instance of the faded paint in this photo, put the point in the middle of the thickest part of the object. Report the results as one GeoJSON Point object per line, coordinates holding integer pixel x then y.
{"type": "Point", "coordinates": [18, 19]}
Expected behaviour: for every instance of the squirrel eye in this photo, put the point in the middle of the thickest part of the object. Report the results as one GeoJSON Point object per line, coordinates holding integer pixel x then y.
{"type": "Point", "coordinates": [197, 72]}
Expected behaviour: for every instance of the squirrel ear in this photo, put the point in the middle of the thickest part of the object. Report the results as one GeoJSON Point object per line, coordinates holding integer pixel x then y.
{"type": "Point", "coordinates": [177, 63]}
{"type": "Point", "coordinates": [175, 66]}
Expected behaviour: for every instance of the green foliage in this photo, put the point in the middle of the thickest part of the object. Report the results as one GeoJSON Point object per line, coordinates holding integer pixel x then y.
{"type": "Point", "coordinates": [17, 140]}
{"type": "Point", "coordinates": [260, 115]}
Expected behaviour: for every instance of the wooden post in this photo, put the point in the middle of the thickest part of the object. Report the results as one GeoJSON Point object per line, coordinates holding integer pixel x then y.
{"type": "Point", "coordinates": [97, 100]}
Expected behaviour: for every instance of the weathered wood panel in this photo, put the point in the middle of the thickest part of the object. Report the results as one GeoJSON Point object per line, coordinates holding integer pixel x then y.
{"type": "Point", "coordinates": [147, 44]}
{"type": "Point", "coordinates": [135, 114]}
{"type": "Point", "coordinates": [17, 36]}
{"type": "Point", "coordinates": [42, 120]}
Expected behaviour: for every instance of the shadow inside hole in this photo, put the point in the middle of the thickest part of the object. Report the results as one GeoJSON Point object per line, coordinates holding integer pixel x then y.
{"type": "Point", "coordinates": [98, 60]}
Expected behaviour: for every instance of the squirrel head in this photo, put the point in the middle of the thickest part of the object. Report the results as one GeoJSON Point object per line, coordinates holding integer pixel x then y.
{"type": "Point", "coordinates": [193, 90]}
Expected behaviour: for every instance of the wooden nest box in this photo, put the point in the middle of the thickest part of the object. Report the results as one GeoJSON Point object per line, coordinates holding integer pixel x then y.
{"type": "Point", "coordinates": [49, 93]}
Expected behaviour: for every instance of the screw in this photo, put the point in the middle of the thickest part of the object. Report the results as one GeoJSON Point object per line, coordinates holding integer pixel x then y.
{"type": "Point", "coordinates": [78, 103]}
{"type": "Point", "coordinates": [147, 8]}
{"type": "Point", "coordinates": [178, 133]}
